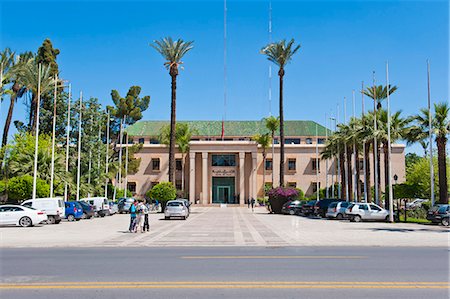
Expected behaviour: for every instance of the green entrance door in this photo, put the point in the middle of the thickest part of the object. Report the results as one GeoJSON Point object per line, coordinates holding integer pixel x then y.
{"type": "Point", "coordinates": [223, 190]}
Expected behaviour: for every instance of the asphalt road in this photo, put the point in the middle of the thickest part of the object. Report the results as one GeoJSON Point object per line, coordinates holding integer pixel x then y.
{"type": "Point", "coordinates": [232, 272]}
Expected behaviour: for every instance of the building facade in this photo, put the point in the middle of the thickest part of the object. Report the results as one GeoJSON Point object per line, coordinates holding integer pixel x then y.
{"type": "Point", "coordinates": [231, 169]}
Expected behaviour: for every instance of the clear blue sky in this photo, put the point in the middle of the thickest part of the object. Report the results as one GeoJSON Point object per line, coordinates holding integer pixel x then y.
{"type": "Point", "coordinates": [105, 45]}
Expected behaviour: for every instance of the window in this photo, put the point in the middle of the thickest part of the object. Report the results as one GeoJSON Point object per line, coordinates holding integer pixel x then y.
{"type": "Point", "coordinates": [363, 207]}
{"type": "Point", "coordinates": [223, 160]}
{"type": "Point", "coordinates": [315, 164]}
{"type": "Point", "coordinates": [132, 187]}
{"type": "Point", "coordinates": [178, 184]}
{"type": "Point", "coordinates": [154, 141]}
{"type": "Point", "coordinates": [308, 140]}
{"type": "Point", "coordinates": [321, 141]}
{"type": "Point", "coordinates": [292, 184]}
{"type": "Point", "coordinates": [28, 204]}
{"type": "Point", "coordinates": [361, 164]}
{"type": "Point", "coordinates": [292, 141]}
{"type": "Point", "coordinates": [269, 164]}
{"type": "Point", "coordinates": [155, 164]}
{"type": "Point", "coordinates": [276, 140]}
{"type": "Point", "coordinates": [291, 165]}
{"type": "Point", "coordinates": [178, 164]}
{"type": "Point", "coordinates": [374, 208]}
{"type": "Point", "coordinates": [141, 140]}
{"type": "Point", "coordinates": [314, 186]}
{"type": "Point", "coordinates": [153, 184]}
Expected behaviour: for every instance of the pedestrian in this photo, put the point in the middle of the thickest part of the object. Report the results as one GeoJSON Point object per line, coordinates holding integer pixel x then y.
{"type": "Point", "coordinates": [132, 216]}
{"type": "Point", "coordinates": [139, 217]}
{"type": "Point", "coordinates": [145, 209]}
{"type": "Point", "coordinates": [248, 203]}
{"type": "Point", "coordinates": [253, 203]}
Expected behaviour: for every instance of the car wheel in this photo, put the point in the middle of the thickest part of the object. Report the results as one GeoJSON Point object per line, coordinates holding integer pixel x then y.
{"type": "Point", "coordinates": [184, 217]}
{"type": "Point", "coordinates": [57, 221]}
{"type": "Point", "coordinates": [78, 219]}
{"type": "Point", "coordinates": [84, 216]}
{"type": "Point", "coordinates": [339, 216]}
{"type": "Point", "coordinates": [51, 220]}
{"type": "Point", "coordinates": [291, 212]}
{"type": "Point", "coordinates": [70, 217]}
{"type": "Point", "coordinates": [166, 218]}
{"type": "Point", "coordinates": [357, 218]}
{"type": "Point", "coordinates": [386, 218]}
{"type": "Point", "coordinates": [445, 221]}
{"type": "Point", "coordinates": [25, 222]}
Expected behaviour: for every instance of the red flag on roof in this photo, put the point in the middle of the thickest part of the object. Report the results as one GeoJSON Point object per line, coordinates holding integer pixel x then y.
{"type": "Point", "coordinates": [223, 129]}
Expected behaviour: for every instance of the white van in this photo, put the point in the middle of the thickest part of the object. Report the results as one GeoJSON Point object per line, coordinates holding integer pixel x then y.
{"type": "Point", "coordinates": [101, 205]}
{"type": "Point", "coordinates": [53, 207]}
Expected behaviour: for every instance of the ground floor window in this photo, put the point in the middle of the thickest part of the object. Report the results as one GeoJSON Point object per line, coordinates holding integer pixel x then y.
{"type": "Point", "coordinates": [314, 186]}
{"type": "Point", "coordinates": [178, 184]}
{"type": "Point", "coordinates": [132, 187]}
{"type": "Point", "coordinates": [292, 184]}
{"type": "Point", "coordinates": [269, 164]}
{"type": "Point", "coordinates": [178, 164]}
{"type": "Point", "coordinates": [223, 190]}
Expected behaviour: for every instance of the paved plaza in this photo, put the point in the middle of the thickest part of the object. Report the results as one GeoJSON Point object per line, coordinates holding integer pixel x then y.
{"type": "Point", "coordinates": [230, 226]}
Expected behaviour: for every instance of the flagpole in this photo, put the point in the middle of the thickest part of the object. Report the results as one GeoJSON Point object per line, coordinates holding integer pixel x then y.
{"type": "Point", "coordinates": [355, 178]}
{"type": "Point", "coordinates": [99, 122]}
{"type": "Point", "coordinates": [326, 161]}
{"type": "Point", "coordinates": [317, 165]}
{"type": "Point", "coordinates": [79, 147]}
{"type": "Point", "coordinates": [90, 157]}
{"type": "Point", "coordinates": [364, 143]}
{"type": "Point", "coordinates": [36, 143]}
{"type": "Point", "coordinates": [391, 199]}
{"type": "Point", "coordinates": [106, 157]}
{"type": "Point", "coordinates": [430, 133]}
{"type": "Point", "coordinates": [67, 141]}
{"type": "Point", "coordinates": [338, 175]}
{"type": "Point", "coordinates": [375, 142]}
{"type": "Point", "coordinates": [53, 139]}
{"type": "Point", "coordinates": [270, 64]}
{"type": "Point", "coordinates": [345, 152]}
{"type": "Point", "coordinates": [334, 167]}
{"type": "Point", "coordinates": [119, 179]}
{"type": "Point", "coordinates": [126, 167]}
{"type": "Point", "coordinates": [224, 67]}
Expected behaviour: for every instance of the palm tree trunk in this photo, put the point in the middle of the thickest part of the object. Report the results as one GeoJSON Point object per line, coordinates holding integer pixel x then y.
{"type": "Point", "coordinates": [173, 74]}
{"type": "Point", "coordinates": [367, 181]}
{"type": "Point", "coordinates": [342, 174]}
{"type": "Point", "coordinates": [31, 123]}
{"type": "Point", "coordinates": [386, 174]}
{"type": "Point", "coordinates": [264, 173]}
{"type": "Point", "coordinates": [349, 172]}
{"type": "Point", "coordinates": [273, 158]}
{"type": "Point", "coordinates": [281, 74]}
{"type": "Point", "coordinates": [379, 172]}
{"type": "Point", "coordinates": [442, 169]}
{"type": "Point", "coordinates": [8, 119]}
{"type": "Point", "coordinates": [182, 172]}
{"type": "Point", "coordinates": [358, 174]}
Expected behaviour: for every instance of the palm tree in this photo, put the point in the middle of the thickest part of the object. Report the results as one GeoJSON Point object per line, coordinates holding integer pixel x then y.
{"type": "Point", "coordinates": [28, 77]}
{"type": "Point", "coordinates": [173, 52]}
{"type": "Point", "coordinates": [335, 148]}
{"type": "Point", "coordinates": [440, 129]}
{"type": "Point", "coordinates": [272, 124]}
{"type": "Point", "coordinates": [281, 53]}
{"type": "Point", "coordinates": [264, 141]}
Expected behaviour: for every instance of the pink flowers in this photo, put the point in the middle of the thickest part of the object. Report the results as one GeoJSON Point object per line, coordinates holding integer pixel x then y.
{"type": "Point", "coordinates": [283, 193]}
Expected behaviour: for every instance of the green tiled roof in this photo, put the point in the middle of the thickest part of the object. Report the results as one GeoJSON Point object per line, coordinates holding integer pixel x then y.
{"type": "Point", "coordinates": [232, 128]}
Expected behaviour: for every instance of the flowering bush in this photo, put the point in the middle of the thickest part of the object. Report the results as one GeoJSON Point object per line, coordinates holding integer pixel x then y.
{"type": "Point", "coordinates": [279, 196]}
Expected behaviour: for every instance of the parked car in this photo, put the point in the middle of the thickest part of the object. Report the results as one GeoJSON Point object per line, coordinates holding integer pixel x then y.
{"type": "Point", "coordinates": [445, 221]}
{"type": "Point", "coordinates": [176, 208]}
{"type": "Point", "coordinates": [100, 204]}
{"type": "Point", "coordinates": [88, 210]}
{"type": "Point", "coordinates": [53, 207]}
{"type": "Point", "coordinates": [21, 215]}
{"type": "Point", "coordinates": [73, 211]}
{"type": "Point", "coordinates": [366, 211]}
{"type": "Point", "coordinates": [113, 207]}
{"type": "Point", "coordinates": [124, 204]}
{"type": "Point", "coordinates": [438, 212]}
{"type": "Point", "coordinates": [186, 203]}
{"type": "Point", "coordinates": [337, 210]}
{"type": "Point", "coordinates": [416, 203]}
{"type": "Point", "coordinates": [321, 206]}
{"type": "Point", "coordinates": [291, 207]}
{"type": "Point", "coordinates": [307, 208]}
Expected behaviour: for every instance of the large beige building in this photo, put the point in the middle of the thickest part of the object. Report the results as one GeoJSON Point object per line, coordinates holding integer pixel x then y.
{"type": "Point", "coordinates": [231, 169]}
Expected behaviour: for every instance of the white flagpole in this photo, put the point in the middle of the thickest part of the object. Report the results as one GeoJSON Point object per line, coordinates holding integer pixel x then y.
{"type": "Point", "coordinates": [67, 140]}
{"type": "Point", "coordinates": [430, 133]}
{"type": "Point", "coordinates": [126, 167]}
{"type": "Point", "coordinates": [375, 142]}
{"type": "Point", "coordinates": [355, 178]}
{"type": "Point", "coordinates": [364, 144]}
{"type": "Point", "coordinates": [79, 147]}
{"type": "Point", "coordinates": [391, 197]}
{"type": "Point", "coordinates": [270, 64]}
{"type": "Point", "coordinates": [90, 157]}
{"type": "Point", "coordinates": [36, 144]}
{"type": "Point", "coordinates": [120, 155]}
{"type": "Point", "coordinates": [106, 157]}
{"type": "Point", "coordinates": [52, 171]}
{"type": "Point", "coordinates": [317, 165]}
{"type": "Point", "coordinates": [326, 161]}
{"type": "Point", "coordinates": [345, 151]}
{"type": "Point", "coordinates": [338, 175]}
{"type": "Point", "coordinates": [333, 160]}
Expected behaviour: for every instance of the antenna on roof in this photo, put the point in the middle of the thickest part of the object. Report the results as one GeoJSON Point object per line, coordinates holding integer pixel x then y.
{"type": "Point", "coordinates": [270, 64]}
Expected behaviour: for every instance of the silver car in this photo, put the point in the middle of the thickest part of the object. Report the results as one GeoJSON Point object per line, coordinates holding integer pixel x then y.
{"type": "Point", "coordinates": [336, 210]}
{"type": "Point", "coordinates": [176, 208]}
{"type": "Point", "coordinates": [366, 211]}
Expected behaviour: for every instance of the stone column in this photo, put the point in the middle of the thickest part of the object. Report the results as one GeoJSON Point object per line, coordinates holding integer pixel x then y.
{"type": "Point", "coordinates": [205, 191]}
{"type": "Point", "coordinates": [242, 178]}
{"type": "Point", "coordinates": [192, 177]}
{"type": "Point", "coordinates": [254, 176]}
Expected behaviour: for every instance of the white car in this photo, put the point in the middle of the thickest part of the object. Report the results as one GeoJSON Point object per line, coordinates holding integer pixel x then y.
{"type": "Point", "coordinates": [53, 207]}
{"type": "Point", "coordinates": [416, 203]}
{"type": "Point", "coordinates": [20, 215]}
{"type": "Point", "coordinates": [366, 211]}
{"type": "Point", "coordinates": [176, 208]}
{"type": "Point", "coordinates": [101, 205]}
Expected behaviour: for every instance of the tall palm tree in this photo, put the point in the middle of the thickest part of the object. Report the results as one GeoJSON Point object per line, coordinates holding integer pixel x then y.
{"type": "Point", "coordinates": [272, 124]}
{"type": "Point", "coordinates": [440, 129]}
{"type": "Point", "coordinates": [264, 141]}
{"type": "Point", "coordinates": [281, 53]}
{"type": "Point", "coordinates": [335, 148]}
{"type": "Point", "coordinates": [173, 52]}
{"type": "Point", "coordinates": [28, 77]}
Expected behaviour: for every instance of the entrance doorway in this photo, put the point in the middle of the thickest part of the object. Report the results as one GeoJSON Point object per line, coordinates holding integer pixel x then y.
{"type": "Point", "coordinates": [223, 190]}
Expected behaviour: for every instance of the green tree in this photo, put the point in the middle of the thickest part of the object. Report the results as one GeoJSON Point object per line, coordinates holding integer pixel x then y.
{"type": "Point", "coordinates": [130, 107]}
{"type": "Point", "coordinates": [46, 55]}
{"type": "Point", "coordinates": [272, 124]}
{"type": "Point", "coordinates": [163, 192]}
{"type": "Point", "coordinates": [281, 53]}
{"type": "Point", "coordinates": [264, 141]}
{"type": "Point", "coordinates": [21, 188]}
{"type": "Point", "coordinates": [173, 52]}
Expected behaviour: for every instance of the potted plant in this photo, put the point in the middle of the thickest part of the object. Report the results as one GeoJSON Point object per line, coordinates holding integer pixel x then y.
{"type": "Point", "coordinates": [279, 196]}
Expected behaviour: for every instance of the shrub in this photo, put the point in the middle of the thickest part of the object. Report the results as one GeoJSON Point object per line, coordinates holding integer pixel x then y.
{"type": "Point", "coordinates": [120, 193]}
{"type": "Point", "coordinates": [21, 188]}
{"type": "Point", "coordinates": [301, 194]}
{"type": "Point", "coordinates": [162, 192]}
{"type": "Point", "coordinates": [279, 196]}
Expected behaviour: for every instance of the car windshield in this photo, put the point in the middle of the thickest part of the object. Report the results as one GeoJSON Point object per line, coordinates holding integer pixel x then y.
{"type": "Point", "coordinates": [442, 209]}
{"type": "Point", "coordinates": [175, 204]}
{"type": "Point", "coordinates": [333, 205]}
